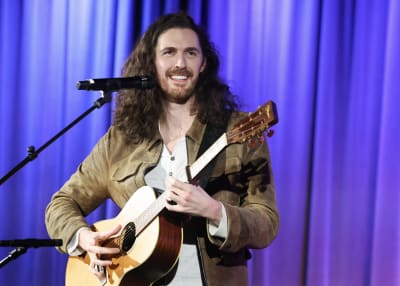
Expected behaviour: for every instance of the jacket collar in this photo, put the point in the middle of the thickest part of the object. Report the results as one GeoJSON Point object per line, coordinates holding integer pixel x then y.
{"type": "Point", "coordinates": [196, 131]}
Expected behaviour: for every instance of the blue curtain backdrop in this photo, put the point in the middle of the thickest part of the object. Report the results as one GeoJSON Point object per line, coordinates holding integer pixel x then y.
{"type": "Point", "coordinates": [331, 66]}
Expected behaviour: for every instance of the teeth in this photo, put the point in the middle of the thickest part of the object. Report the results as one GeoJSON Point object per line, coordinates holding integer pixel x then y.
{"type": "Point", "coordinates": [179, 77]}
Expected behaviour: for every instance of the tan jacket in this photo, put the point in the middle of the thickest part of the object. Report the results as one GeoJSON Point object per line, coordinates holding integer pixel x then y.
{"type": "Point", "coordinates": [241, 179]}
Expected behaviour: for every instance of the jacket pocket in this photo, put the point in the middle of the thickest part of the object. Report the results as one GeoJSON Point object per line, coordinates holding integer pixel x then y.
{"type": "Point", "coordinates": [126, 172]}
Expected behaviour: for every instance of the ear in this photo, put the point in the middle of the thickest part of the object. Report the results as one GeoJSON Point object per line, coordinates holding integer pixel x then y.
{"type": "Point", "coordinates": [203, 65]}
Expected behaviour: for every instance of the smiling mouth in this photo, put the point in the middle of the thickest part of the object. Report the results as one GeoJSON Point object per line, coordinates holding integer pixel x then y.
{"type": "Point", "coordinates": [179, 77]}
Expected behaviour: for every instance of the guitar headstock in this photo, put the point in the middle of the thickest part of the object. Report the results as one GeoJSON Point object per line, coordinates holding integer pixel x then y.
{"type": "Point", "coordinates": [254, 124]}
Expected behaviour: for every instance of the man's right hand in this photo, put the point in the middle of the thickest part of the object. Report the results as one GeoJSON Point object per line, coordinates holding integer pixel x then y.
{"type": "Point", "coordinates": [91, 242]}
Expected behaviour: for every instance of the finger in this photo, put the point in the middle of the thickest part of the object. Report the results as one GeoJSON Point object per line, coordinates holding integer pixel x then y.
{"type": "Point", "coordinates": [173, 182]}
{"type": "Point", "coordinates": [99, 251]}
{"type": "Point", "coordinates": [106, 234]}
{"type": "Point", "coordinates": [99, 268]}
{"type": "Point", "coordinates": [102, 262]}
{"type": "Point", "coordinates": [115, 230]}
{"type": "Point", "coordinates": [94, 268]}
{"type": "Point", "coordinates": [172, 198]}
{"type": "Point", "coordinates": [173, 207]}
{"type": "Point", "coordinates": [182, 186]}
{"type": "Point", "coordinates": [178, 192]}
{"type": "Point", "coordinates": [182, 196]}
{"type": "Point", "coordinates": [109, 250]}
{"type": "Point", "coordinates": [99, 272]}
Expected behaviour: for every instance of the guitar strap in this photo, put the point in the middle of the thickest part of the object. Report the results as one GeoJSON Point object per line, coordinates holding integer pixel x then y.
{"type": "Point", "coordinates": [211, 134]}
{"type": "Point", "coordinates": [195, 227]}
{"type": "Point", "coordinates": [192, 225]}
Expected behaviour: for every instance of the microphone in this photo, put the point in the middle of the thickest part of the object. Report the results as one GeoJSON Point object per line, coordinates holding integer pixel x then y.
{"type": "Point", "coordinates": [31, 242]}
{"type": "Point", "coordinates": [113, 84]}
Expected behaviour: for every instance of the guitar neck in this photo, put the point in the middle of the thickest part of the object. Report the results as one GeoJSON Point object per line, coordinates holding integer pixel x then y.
{"type": "Point", "coordinates": [150, 213]}
{"type": "Point", "coordinates": [158, 205]}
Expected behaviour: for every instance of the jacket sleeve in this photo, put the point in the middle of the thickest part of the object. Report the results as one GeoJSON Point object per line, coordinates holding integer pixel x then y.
{"type": "Point", "coordinates": [249, 199]}
{"type": "Point", "coordinates": [81, 194]}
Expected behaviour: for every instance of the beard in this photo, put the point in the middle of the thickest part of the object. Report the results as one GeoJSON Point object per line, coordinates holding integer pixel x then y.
{"type": "Point", "coordinates": [178, 94]}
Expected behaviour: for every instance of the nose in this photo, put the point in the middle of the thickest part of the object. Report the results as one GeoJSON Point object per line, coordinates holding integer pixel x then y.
{"type": "Point", "coordinates": [180, 61]}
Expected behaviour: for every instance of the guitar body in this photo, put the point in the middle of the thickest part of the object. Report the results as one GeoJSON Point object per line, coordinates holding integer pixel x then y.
{"type": "Point", "coordinates": [153, 254]}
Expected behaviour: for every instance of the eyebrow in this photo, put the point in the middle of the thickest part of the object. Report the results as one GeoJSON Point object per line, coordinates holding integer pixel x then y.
{"type": "Point", "coordinates": [189, 49]}
{"type": "Point", "coordinates": [186, 49]}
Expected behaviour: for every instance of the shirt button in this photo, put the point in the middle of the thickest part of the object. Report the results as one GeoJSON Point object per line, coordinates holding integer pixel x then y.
{"type": "Point", "coordinates": [170, 173]}
{"type": "Point", "coordinates": [172, 158]}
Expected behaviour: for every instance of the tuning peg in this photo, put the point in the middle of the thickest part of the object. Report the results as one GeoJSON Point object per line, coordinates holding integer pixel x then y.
{"type": "Point", "coordinates": [270, 132]}
{"type": "Point", "coordinates": [251, 143]}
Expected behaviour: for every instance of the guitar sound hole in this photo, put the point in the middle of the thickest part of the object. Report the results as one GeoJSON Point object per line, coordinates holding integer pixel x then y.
{"type": "Point", "coordinates": [128, 237]}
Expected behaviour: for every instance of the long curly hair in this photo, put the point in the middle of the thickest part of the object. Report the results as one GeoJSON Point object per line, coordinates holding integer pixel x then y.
{"type": "Point", "coordinates": [138, 111]}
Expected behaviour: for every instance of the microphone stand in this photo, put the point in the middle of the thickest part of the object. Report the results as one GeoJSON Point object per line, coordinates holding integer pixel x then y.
{"type": "Point", "coordinates": [23, 245]}
{"type": "Point", "coordinates": [33, 152]}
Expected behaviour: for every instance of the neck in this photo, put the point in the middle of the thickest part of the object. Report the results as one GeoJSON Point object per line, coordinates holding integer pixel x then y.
{"type": "Point", "coordinates": [176, 120]}
{"type": "Point", "coordinates": [177, 115]}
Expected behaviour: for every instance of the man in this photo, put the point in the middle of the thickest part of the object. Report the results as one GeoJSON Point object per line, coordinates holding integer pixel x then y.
{"type": "Point", "coordinates": [155, 135]}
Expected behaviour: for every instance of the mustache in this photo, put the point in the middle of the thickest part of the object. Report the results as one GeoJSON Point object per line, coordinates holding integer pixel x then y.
{"type": "Point", "coordinates": [180, 71]}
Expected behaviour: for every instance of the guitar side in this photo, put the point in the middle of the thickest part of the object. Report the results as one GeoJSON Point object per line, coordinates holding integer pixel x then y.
{"type": "Point", "coordinates": [152, 256]}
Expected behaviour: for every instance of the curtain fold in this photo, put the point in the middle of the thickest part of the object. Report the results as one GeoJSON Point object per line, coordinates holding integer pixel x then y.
{"type": "Point", "coordinates": [385, 262]}
{"type": "Point", "coordinates": [331, 67]}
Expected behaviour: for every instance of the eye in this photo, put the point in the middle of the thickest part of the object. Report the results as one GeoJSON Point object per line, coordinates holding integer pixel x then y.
{"type": "Point", "coordinates": [192, 53]}
{"type": "Point", "coordinates": [167, 52]}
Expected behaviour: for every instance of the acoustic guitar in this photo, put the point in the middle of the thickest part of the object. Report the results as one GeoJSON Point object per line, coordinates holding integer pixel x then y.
{"type": "Point", "coordinates": [151, 238]}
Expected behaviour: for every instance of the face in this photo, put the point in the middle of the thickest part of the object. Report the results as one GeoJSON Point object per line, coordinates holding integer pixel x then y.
{"type": "Point", "coordinates": [179, 61]}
